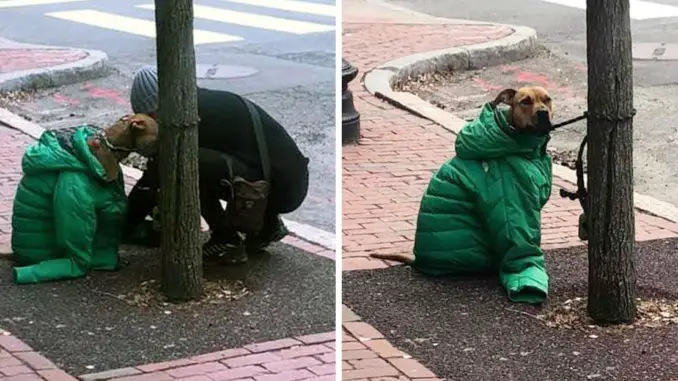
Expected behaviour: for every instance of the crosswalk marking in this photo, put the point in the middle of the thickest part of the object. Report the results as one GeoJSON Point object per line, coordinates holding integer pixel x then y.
{"type": "Point", "coordinates": [253, 20]}
{"type": "Point", "coordinates": [135, 26]}
{"type": "Point", "coordinates": [640, 10]}
{"type": "Point", "coordinates": [292, 6]}
{"type": "Point", "coordinates": [28, 3]}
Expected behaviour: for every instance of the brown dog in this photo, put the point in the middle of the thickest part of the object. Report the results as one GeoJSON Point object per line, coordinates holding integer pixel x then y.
{"type": "Point", "coordinates": [525, 106]}
{"type": "Point", "coordinates": [131, 133]}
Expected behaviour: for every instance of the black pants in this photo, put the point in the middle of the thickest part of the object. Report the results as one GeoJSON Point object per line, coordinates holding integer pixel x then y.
{"type": "Point", "coordinates": [285, 195]}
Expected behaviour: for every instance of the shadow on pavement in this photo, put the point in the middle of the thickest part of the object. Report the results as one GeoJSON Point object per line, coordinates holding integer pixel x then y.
{"type": "Point", "coordinates": [467, 330]}
{"type": "Point", "coordinates": [83, 327]}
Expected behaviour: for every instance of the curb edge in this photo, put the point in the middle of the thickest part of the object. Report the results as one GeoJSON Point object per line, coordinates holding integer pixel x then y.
{"type": "Point", "coordinates": [90, 67]}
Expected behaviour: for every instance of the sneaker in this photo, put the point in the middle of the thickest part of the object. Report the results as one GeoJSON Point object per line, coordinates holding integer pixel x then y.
{"type": "Point", "coordinates": [266, 238]}
{"type": "Point", "coordinates": [226, 253]}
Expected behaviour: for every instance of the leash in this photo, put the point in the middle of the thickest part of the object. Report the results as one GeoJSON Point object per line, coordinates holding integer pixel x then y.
{"type": "Point", "coordinates": [582, 193]}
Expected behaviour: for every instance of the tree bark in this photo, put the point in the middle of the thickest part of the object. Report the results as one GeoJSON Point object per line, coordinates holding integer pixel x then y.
{"type": "Point", "coordinates": [611, 220]}
{"type": "Point", "coordinates": [182, 272]}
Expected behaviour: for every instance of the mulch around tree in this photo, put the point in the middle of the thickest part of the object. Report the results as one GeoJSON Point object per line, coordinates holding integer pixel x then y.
{"type": "Point", "coordinates": [466, 330]}
{"type": "Point", "coordinates": [111, 320]}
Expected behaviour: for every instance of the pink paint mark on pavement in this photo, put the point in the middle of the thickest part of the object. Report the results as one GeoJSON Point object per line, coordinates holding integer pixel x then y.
{"type": "Point", "coordinates": [533, 78]}
{"type": "Point", "coordinates": [62, 99]}
{"type": "Point", "coordinates": [508, 69]}
{"type": "Point", "coordinates": [486, 86]}
{"type": "Point", "coordinates": [113, 95]}
{"type": "Point", "coordinates": [110, 94]}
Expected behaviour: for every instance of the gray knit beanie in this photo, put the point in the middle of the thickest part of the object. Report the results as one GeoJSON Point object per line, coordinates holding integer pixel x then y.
{"type": "Point", "coordinates": [144, 95]}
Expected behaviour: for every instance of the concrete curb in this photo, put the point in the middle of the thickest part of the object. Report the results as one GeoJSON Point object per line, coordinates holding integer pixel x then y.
{"type": "Point", "coordinates": [517, 46]}
{"type": "Point", "coordinates": [90, 67]}
{"type": "Point", "coordinates": [316, 236]}
{"type": "Point", "coordinates": [379, 82]}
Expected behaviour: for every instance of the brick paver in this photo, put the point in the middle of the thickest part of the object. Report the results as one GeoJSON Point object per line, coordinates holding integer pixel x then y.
{"type": "Point", "coordinates": [12, 60]}
{"type": "Point", "coordinates": [309, 357]}
{"type": "Point", "coordinates": [366, 355]}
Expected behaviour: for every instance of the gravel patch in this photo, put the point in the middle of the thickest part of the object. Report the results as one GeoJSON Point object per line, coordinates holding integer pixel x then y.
{"type": "Point", "coordinates": [465, 329]}
{"type": "Point", "coordinates": [111, 320]}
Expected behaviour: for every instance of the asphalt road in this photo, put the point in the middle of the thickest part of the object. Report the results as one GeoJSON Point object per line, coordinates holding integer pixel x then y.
{"type": "Point", "coordinates": [562, 30]}
{"type": "Point", "coordinates": [281, 54]}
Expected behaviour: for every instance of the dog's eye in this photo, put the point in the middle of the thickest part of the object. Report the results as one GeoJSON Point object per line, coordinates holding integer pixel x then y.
{"type": "Point", "coordinates": [546, 100]}
{"type": "Point", "coordinates": [526, 101]}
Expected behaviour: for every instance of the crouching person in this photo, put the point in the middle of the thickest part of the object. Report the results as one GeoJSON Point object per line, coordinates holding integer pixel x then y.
{"type": "Point", "coordinates": [70, 204]}
{"type": "Point", "coordinates": [246, 158]}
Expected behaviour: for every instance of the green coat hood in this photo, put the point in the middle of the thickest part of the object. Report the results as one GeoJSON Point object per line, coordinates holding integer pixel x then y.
{"type": "Point", "coordinates": [66, 150]}
{"type": "Point", "coordinates": [490, 137]}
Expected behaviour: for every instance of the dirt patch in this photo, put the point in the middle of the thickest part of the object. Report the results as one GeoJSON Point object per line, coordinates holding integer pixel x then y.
{"type": "Point", "coordinates": [14, 98]}
{"type": "Point", "coordinates": [572, 314]}
{"type": "Point", "coordinates": [464, 93]}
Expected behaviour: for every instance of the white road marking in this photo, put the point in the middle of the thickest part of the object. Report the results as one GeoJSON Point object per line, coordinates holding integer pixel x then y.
{"type": "Point", "coordinates": [135, 26]}
{"type": "Point", "coordinates": [292, 6]}
{"type": "Point", "coordinates": [640, 10]}
{"type": "Point", "coordinates": [28, 3]}
{"type": "Point", "coordinates": [253, 20]}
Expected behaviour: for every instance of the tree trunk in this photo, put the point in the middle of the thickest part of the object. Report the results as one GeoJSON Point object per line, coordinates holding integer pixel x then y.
{"type": "Point", "coordinates": [611, 220]}
{"type": "Point", "coordinates": [182, 275]}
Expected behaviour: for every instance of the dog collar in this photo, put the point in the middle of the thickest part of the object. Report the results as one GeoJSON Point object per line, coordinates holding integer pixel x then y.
{"type": "Point", "coordinates": [112, 146]}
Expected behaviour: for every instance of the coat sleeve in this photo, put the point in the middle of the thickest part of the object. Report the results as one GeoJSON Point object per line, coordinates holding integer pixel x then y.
{"type": "Point", "coordinates": [75, 222]}
{"type": "Point", "coordinates": [514, 224]}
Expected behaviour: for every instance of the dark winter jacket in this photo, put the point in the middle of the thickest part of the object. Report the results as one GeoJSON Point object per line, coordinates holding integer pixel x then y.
{"type": "Point", "coordinates": [225, 126]}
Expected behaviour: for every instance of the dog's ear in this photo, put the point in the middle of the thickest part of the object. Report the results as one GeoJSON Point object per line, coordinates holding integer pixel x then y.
{"type": "Point", "coordinates": [138, 123]}
{"type": "Point", "coordinates": [505, 96]}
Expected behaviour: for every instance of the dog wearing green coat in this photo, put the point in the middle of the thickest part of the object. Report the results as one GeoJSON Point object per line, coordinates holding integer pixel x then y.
{"type": "Point", "coordinates": [70, 203]}
{"type": "Point", "coordinates": [481, 212]}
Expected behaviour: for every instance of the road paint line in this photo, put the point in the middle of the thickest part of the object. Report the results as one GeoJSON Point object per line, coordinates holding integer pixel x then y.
{"type": "Point", "coordinates": [292, 6]}
{"type": "Point", "coordinates": [134, 26]}
{"type": "Point", "coordinates": [29, 3]}
{"type": "Point", "coordinates": [640, 10]}
{"type": "Point", "coordinates": [253, 20]}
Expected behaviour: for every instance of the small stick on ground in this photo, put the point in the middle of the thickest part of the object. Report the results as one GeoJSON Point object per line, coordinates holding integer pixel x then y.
{"type": "Point", "coordinates": [523, 313]}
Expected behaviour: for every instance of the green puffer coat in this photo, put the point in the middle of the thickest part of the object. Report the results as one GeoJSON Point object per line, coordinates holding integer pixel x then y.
{"type": "Point", "coordinates": [67, 218]}
{"type": "Point", "coordinates": [481, 212]}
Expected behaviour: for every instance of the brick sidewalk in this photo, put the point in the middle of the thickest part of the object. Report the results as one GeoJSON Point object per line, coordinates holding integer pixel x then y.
{"type": "Point", "coordinates": [310, 357]}
{"type": "Point", "coordinates": [12, 60]}
{"type": "Point", "coordinates": [385, 177]}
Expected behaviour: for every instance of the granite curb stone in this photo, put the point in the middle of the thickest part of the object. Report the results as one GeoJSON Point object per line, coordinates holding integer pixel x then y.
{"type": "Point", "coordinates": [90, 67]}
